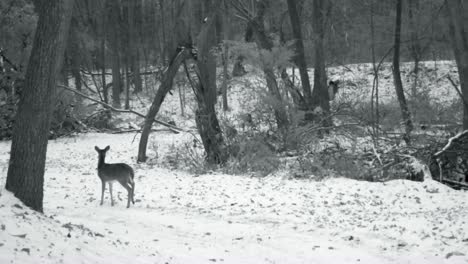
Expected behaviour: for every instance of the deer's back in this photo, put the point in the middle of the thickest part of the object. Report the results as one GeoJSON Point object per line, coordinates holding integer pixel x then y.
{"type": "Point", "coordinates": [115, 172]}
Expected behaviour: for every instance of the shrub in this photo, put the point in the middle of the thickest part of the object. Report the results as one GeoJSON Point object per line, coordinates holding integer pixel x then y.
{"type": "Point", "coordinates": [252, 155]}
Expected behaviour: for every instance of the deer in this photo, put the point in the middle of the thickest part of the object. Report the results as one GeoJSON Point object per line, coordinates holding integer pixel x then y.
{"type": "Point", "coordinates": [332, 89]}
{"type": "Point", "coordinates": [112, 172]}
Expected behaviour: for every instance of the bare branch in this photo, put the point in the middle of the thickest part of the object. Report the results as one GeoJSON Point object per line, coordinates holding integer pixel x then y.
{"type": "Point", "coordinates": [455, 86]}
{"type": "Point", "coordinates": [174, 129]}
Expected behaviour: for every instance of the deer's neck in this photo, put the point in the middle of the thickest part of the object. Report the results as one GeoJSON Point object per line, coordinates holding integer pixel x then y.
{"type": "Point", "coordinates": [101, 161]}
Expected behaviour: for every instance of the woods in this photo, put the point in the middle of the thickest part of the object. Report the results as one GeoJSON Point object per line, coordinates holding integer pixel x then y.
{"type": "Point", "coordinates": [315, 89]}
{"type": "Point", "coordinates": [267, 131]}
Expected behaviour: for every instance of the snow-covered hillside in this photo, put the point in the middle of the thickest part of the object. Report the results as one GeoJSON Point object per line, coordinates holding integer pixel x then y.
{"type": "Point", "coordinates": [183, 218]}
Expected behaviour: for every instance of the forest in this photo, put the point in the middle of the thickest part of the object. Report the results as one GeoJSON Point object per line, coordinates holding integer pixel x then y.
{"type": "Point", "coordinates": [239, 131]}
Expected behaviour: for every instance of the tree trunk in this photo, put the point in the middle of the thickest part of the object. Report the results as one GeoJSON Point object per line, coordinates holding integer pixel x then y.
{"type": "Point", "coordinates": [415, 45]}
{"type": "Point", "coordinates": [164, 41]}
{"type": "Point", "coordinates": [29, 144]}
{"type": "Point", "coordinates": [405, 113]}
{"type": "Point", "coordinates": [164, 88]}
{"type": "Point", "coordinates": [459, 38]}
{"type": "Point", "coordinates": [134, 54]}
{"type": "Point", "coordinates": [300, 55]}
{"type": "Point", "coordinates": [114, 12]}
{"type": "Point", "coordinates": [75, 55]}
{"type": "Point", "coordinates": [103, 59]}
{"type": "Point", "coordinates": [206, 119]}
{"type": "Point", "coordinates": [320, 96]}
{"type": "Point", "coordinates": [225, 56]}
{"type": "Point", "coordinates": [127, 87]}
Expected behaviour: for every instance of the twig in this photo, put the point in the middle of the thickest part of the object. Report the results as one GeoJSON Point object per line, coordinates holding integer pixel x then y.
{"type": "Point", "coordinates": [377, 154]}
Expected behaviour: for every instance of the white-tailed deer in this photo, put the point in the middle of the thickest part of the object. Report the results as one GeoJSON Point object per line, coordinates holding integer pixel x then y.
{"type": "Point", "coordinates": [332, 89]}
{"type": "Point", "coordinates": [112, 172]}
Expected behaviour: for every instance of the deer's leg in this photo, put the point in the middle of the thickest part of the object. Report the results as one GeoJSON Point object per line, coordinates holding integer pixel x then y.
{"type": "Point", "coordinates": [132, 184]}
{"type": "Point", "coordinates": [110, 190]}
{"type": "Point", "coordinates": [102, 193]}
{"type": "Point", "coordinates": [133, 192]}
{"type": "Point", "coordinates": [127, 187]}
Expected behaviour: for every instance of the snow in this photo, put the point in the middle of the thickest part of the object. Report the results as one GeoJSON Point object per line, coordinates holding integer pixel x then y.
{"type": "Point", "coordinates": [179, 217]}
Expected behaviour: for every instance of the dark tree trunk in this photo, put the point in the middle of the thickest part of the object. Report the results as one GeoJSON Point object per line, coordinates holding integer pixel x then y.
{"type": "Point", "coordinates": [405, 113]}
{"type": "Point", "coordinates": [164, 41]}
{"type": "Point", "coordinates": [415, 45]}
{"type": "Point", "coordinates": [114, 12]}
{"type": "Point", "coordinates": [164, 88]}
{"type": "Point", "coordinates": [459, 38]}
{"type": "Point", "coordinates": [225, 56]}
{"type": "Point", "coordinates": [29, 145]}
{"type": "Point", "coordinates": [103, 58]}
{"type": "Point", "coordinates": [75, 55]}
{"type": "Point", "coordinates": [133, 52]}
{"type": "Point", "coordinates": [300, 55]}
{"type": "Point", "coordinates": [206, 119]}
{"type": "Point", "coordinates": [320, 97]}
{"type": "Point", "coordinates": [127, 88]}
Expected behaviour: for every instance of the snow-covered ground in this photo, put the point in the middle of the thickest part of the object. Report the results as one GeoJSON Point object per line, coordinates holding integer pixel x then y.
{"type": "Point", "coordinates": [183, 218]}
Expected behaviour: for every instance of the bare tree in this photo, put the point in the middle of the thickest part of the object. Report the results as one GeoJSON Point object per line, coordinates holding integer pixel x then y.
{"type": "Point", "coordinates": [300, 55]}
{"type": "Point", "coordinates": [459, 37]}
{"type": "Point", "coordinates": [29, 145]}
{"type": "Point", "coordinates": [397, 77]}
{"type": "Point", "coordinates": [114, 39]}
{"type": "Point", "coordinates": [225, 55]}
{"type": "Point", "coordinates": [205, 90]}
{"type": "Point", "coordinates": [415, 45]}
{"type": "Point", "coordinates": [320, 97]}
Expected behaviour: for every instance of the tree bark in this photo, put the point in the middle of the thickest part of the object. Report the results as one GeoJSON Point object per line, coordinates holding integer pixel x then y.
{"type": "Point", "coordinates": [225, 56]}
{"type": "Point", "coordinates": [134, 54]}
{"type": "Point", "coordinates": [415, 45]}
{"type": "Point", "coordinates": [114, 19]}
{"type": "Point", "coordinates": [405, 113]}
{"type": "Point", "coordinates": [300, 54]}
{"type": "Point", "coordinates": [75, 55]}
{"type": "Point", "coordinates": [320, 96]}
{"type": "Point", "coordinates": [25, 176]}
{"type": "Point", "coordinates": [103, 55]}
{"type": "Point", "coordinates": [206, 92]}
{"type": "Point", "coordinates": [459, 38]}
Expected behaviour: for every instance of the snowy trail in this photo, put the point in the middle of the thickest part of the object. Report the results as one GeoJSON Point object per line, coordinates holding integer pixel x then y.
{"type": "Point", "coordinates": [183, 218]}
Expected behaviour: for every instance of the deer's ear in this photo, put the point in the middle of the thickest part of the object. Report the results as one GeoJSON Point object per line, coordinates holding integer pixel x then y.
{"type": "Point", "coordinates": [96, 148]}
{"type": "Point", "coordinates": [107, 148]}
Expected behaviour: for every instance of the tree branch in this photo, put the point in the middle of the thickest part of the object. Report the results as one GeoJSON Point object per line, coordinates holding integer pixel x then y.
{"type": "Point", "coordinates": [465, 103]}
{"type": "Point", "coordinates": [174, 129]}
